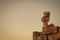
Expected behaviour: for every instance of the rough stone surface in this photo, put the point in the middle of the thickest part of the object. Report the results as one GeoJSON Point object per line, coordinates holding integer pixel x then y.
{"type": "Point", "coordinates": [49, 32]}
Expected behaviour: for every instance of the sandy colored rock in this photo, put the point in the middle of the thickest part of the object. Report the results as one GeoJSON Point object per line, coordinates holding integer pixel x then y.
{"type": "Point", "coordinates": [49, 31]}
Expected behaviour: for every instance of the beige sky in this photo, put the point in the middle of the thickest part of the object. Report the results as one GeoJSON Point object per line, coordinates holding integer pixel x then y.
{"type": "Point", "coordinates": [18, 19]}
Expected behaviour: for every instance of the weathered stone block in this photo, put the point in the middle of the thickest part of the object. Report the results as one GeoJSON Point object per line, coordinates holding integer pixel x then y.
{"type": "Point", "coordinates": [58, 29]}
{"type": "Point", "coordinates": [51, 37]}
{"type": "Point", "coordinates": [47, 14]}
{"type": "Point", "coordinates": [46, 30]}
{"type": "Point", "coordinates": [54, 29]}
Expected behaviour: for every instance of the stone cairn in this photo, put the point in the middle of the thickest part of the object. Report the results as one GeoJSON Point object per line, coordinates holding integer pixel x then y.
{"type": "Point", "coordinates": [49, 31]}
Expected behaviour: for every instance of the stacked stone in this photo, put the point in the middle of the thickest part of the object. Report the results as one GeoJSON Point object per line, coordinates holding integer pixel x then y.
{"type": "Point", "coordinates": [35, 35]}
{"type": "Point", "coordinates": [49, 31]}
{"type": "Point", "coordinates": [45, 20]}
{"type": "Point", "coordinates": [38, 36]}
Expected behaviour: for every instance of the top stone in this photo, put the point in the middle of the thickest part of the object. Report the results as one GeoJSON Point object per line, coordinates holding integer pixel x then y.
{"type": "Point", "coordinates": [45, 17]}
{"type": "Point", "coordinates": [46, 14]}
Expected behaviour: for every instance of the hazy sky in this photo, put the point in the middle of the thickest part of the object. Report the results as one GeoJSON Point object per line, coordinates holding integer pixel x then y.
{"type": "Point", "coordinates": [19, 18]}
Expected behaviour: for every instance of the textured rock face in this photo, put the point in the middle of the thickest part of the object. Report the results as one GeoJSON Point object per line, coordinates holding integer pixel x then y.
{"type": "Point", "coordinates": [49, 32]}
